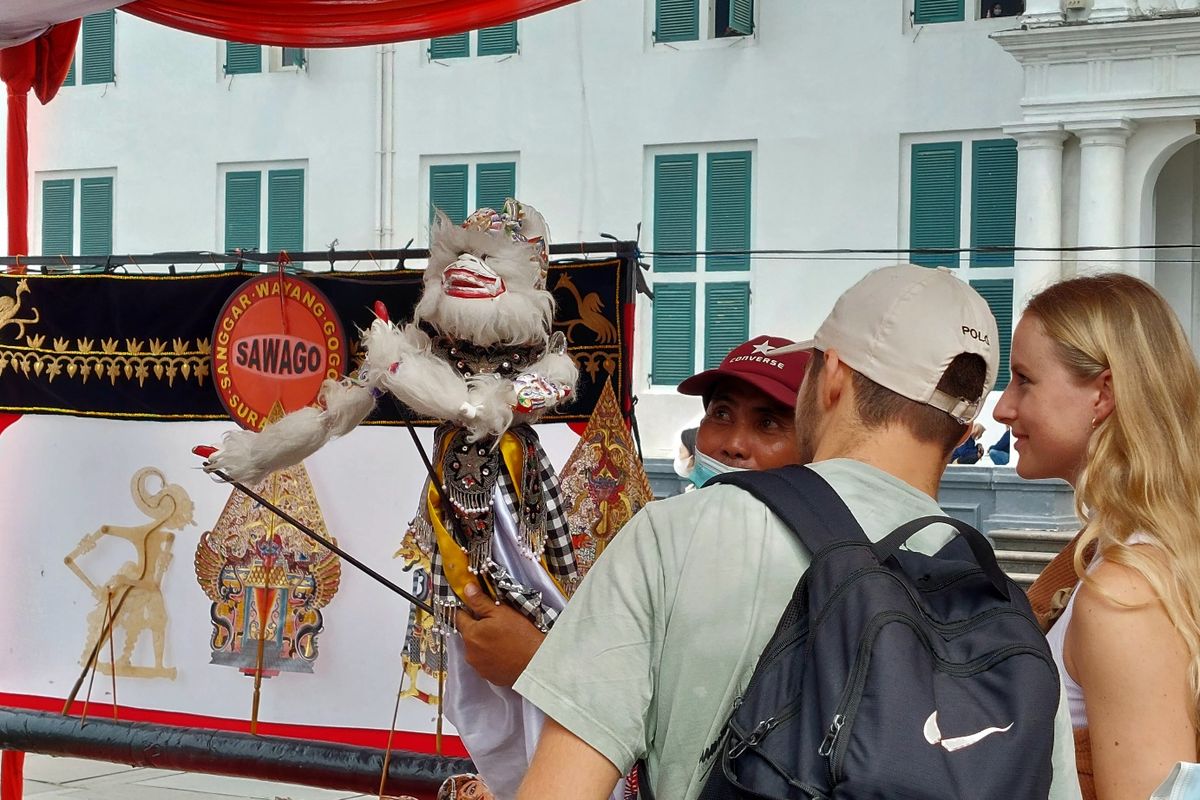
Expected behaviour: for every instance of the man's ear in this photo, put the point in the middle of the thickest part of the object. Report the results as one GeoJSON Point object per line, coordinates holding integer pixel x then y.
{"type": "Point", "coordinates": [966, 434]}
{"type": "Point", "coordinates": [834, 381]}
{"type": "Point", "coordinates": [1105, 399]}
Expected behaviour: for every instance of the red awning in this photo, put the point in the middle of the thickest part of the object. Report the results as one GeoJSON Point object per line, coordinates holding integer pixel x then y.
{"type": "Point", "coordinates": [292, 23]}
{"type": "Point", "coordinates": [334, 23]}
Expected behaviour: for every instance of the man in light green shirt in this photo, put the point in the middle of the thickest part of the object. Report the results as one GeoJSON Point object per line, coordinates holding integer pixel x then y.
{"type": "Point", "coordinates": [661, 638]}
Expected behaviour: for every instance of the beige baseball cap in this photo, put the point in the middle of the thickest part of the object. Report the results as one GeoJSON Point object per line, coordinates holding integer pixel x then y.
{"type": "Point", "coordinates": [901, 326]}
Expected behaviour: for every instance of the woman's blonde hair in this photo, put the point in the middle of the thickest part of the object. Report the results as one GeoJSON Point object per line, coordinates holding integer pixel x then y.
{"type": "Point", "coordinates": [1143, 461]}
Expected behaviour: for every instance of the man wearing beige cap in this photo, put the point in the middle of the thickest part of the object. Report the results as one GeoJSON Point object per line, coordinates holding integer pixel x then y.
{"type": "Point", "coordinates": [649, 657]}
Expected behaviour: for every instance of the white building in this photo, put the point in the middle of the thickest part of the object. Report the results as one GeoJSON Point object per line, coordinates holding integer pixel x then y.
{"type": "Point", "coordinates": [868, 124]}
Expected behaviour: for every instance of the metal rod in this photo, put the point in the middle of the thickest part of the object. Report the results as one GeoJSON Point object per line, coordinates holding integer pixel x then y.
{"type": "Point", "coordinates": [310, 533]}
{"type": "Point", "coordinates": [91, 660]}
{"type": "Point", "coordinates": [216, 260]}
{"type": "Point", "coordinates": [345, 768]}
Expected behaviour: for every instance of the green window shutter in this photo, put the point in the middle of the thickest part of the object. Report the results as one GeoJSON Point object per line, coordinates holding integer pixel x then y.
{"type": "Point", "coordinates": [495, 183]}
{"type": "Point", "coordinates": [98, 35]}
{"type": "Point", "coordinates": [242, 59]}
{"type": "Point", "coordinates": [927, 11]}
{"type": "Point", "coordinates": [993, 200]}
{"type": "Point", "coordinates": [675, 211]}
{"type": "Point", "coordinates": [285, 210]}
{"type": "Point", "coordinates": [999, 296]}
{"type": "Point", "coordinates": [58, 217]}
{"type": "Point", "coordinates": [293, 57]}
{"type": "Point", "coordinates": [676, 20]}
{"type": "Point", "coordinates": [741, 18]}
{"type": "Point", "coordinates": [95, 216]}
{"type": "Point", "coordinates": [243, 197]}
{"type": "Point", "coordinates": [448, 191]}
{"type": "Point", "coordinates": [457, 46]}
{"type": "Point", "coordinates": [934, 202]}
{"type": "Point", "coordinates": [673, 333]}
{"type": "Point", "coordinates": [728, 213]}
{"type": "Point", "coordinates": [497, 41]}
{"type": "Point", "coordinates": [726, 319]}
{"type": "Point", "coordinates": [70, 79]}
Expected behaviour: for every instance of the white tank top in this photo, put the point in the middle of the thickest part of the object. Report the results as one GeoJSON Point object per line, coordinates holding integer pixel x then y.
{"type": "Point", "coordinates": [1057, 636]}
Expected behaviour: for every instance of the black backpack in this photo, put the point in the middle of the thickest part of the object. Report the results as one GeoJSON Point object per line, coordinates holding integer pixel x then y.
{"type": "Point", "coordinates": [891, 674]}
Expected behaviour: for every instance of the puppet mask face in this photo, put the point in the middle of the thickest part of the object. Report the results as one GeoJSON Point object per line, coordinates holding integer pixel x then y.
{"type": "Point", "coordinates": [470, 277]}
{"type": "Point", "coordinates": [486, 279]}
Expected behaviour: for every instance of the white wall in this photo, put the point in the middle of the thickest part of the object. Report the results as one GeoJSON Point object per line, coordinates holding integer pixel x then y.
{"type": "Point", "coordinates": [828, 92]}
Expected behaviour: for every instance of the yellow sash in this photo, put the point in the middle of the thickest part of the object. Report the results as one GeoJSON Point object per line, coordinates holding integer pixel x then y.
{"type": "Point", "coordinates": [455, 563]}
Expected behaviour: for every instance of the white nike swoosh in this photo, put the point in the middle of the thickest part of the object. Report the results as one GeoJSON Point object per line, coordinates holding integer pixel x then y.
{"type": "Point", "coordinates": [933, 735]}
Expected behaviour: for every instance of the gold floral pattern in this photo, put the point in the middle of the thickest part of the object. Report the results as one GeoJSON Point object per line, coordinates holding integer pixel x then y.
{"type": "Point", "coordinates": [138, 360]}
{"type": "Point", "coordinates": [128, 360]}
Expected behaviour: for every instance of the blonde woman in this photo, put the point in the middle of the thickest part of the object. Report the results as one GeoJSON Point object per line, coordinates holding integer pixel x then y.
{"type": "Point", "coordinates": [1105, 394]}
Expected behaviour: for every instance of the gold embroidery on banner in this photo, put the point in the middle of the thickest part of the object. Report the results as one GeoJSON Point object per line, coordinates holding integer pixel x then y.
{"type": "Point", "coordinates": [134, 362]}
{"type": "Point", "coordinates": [137, 361]}
{"type": "Point", "coordinates": [591, 312]}
{"type": "Point", "coordinates": [9, 306]}
{"type": "Point", "coordinates": [593, 362]}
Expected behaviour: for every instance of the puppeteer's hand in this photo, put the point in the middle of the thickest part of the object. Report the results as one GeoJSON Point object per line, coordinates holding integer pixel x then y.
{"type": "Point", "coordinates": [499, 641]}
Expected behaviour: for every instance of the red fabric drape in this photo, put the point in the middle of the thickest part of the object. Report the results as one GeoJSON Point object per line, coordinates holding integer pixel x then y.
{"type": "Point", "coordinates": [12, 775]}
{"type": "Point", "coordinates": [334, 23]}
{"type": "Point", "coordinates": [41, 65]}
{"type": "Point", "coordinates": [12, 762]}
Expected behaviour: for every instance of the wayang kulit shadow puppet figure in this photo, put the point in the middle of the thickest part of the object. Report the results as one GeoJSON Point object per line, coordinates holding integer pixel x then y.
{"type": "Point", "coordinates": [479, 356]}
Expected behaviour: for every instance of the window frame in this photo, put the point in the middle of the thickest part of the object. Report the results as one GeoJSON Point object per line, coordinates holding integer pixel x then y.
{"type": "Point", "coordinates": [706, 22]}
{"type": "Point", "coordinates": [972, 12]}
{"type": "Point", "coordinates": [270, 60]}
{"type": "Point", "coordinates": [472, 53]}
{"type": "Point", "coordinates": [703, 274]}
{"type": "Point", "coordinates": [76, 177]}
{"type": "Point", "coordinates": [471, 161]}
{"type": "Point", "coordinates": [264, 169]}
{"type": "Point", "coordinates": [966, 269]}
{"type": "Point", "coordinates": [75, 75]}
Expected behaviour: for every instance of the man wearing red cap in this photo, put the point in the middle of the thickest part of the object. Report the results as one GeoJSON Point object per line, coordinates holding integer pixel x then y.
{"type": "Point", "coordinates": [749, 409]}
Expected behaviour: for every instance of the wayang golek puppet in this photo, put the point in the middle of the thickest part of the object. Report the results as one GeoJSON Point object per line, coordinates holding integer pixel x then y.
{"type": "Point", "coordinates": [479, 356]}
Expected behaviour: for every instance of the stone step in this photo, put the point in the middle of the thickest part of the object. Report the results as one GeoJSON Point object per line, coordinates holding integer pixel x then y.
{"type": "Point", "coordinates": [1036, 541]}
{"type": "Point", "coordinates": [1023, 579]}
{"type": "Point", "coordinates": [1019, 561]}
{"type": "Point", "coordinates": [1023, 563]}
{"type": "Point", "coordinates": [1024, 557]}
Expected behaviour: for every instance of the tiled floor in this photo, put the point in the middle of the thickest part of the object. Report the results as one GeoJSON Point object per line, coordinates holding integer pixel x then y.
{"type": "Point", "coordinates": [50, 778]}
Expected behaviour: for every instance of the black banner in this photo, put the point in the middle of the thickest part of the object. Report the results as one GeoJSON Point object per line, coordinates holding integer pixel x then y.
{"type": "Point", "coordinates": [139, 346]}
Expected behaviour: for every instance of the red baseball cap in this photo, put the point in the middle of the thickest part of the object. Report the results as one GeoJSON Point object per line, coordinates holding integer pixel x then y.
{"type": "Point", "coordinates": [778, 376]}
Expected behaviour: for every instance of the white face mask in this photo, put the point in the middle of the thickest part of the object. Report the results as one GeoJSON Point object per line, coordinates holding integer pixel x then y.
{"type": "Point", "coordinates": [706, 467]}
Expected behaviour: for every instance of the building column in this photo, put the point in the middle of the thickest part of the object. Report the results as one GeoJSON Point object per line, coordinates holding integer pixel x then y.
{"type": "Point", "coordinates": [1039, 207]}
{"type": "Point", "coordinates": [1101, 190]}
{"type": "Point", "coordinates": [1043, 12]}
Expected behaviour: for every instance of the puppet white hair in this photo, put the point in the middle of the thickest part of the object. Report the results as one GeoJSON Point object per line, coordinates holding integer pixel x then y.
{"type": "Point", "coordinates": [521, 314]}
{"type": "Point", "coordinates": [249, 457]}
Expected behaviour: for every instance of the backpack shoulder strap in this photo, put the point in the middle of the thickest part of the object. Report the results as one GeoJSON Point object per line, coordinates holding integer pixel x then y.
{"type": "Point", "coordinates": [804, 501]}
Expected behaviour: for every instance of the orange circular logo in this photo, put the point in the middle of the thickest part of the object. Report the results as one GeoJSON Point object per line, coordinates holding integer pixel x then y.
{"type": "Point", "coordinates": [275, 341]}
